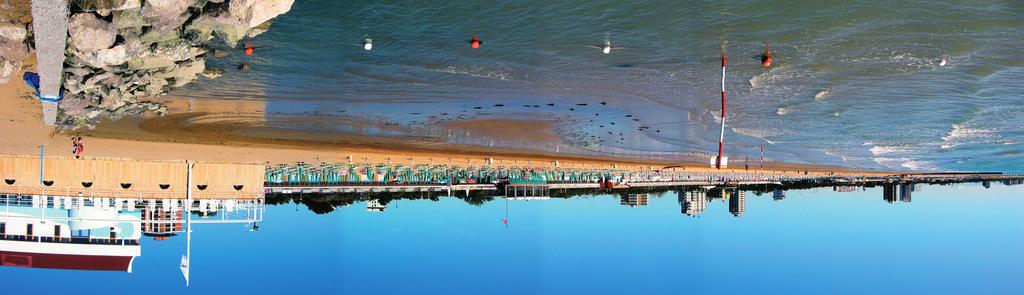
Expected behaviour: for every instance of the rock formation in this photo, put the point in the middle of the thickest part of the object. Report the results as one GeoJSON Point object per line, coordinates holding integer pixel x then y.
{"type": "Point", "coordinates": [121, 51]}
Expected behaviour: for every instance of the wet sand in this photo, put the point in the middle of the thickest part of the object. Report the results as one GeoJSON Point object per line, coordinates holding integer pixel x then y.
{"type": "Point", "coordinates": [512, 129]}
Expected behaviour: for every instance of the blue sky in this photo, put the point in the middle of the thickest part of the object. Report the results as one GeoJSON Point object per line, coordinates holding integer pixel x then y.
{"type": "Point", "coordinates": [951, 239]}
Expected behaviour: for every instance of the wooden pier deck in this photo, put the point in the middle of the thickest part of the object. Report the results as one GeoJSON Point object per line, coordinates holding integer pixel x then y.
{"type": "Point", "coordinates": [118, 178]}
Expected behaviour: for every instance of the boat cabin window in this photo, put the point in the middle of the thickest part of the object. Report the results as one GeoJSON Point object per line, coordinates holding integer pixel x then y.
{"type": "Point", "coordinates": [56, 231]}
{"type": "Point", "coordinates": [28, 229]}
{"type": "Point", "coordinates": [3, 228]}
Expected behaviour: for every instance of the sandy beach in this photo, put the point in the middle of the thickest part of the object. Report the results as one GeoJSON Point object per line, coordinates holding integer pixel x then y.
{"type": "Point", "coordinates": [233, 132]}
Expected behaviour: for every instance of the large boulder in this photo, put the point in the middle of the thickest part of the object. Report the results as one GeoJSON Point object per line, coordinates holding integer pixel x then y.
{"type": "Point", "coordinates": [149, 62]}
{"type": "Point", "coordinates": [107, 5]}
{"type": "Point", "coordinates": [13, 51]}
{"type": "Point", "coordinates": [183, 73]}
{"type": "Point", "coordinates": [177, 50]}
{"type": "Point", "coordinates": [104, 7]}
{"type": "Point", "coordinates": [128, 19]}
{"type": "Point", "coordinates": [228, 28]}
{"type": "Point", "coordinates": [12, 33]}
{"type": "Point", "coordinates": [168, 6]}
{"type": "Point", "coordinates": [104, 57]}
{"type": "Point", "coordinates": [165, 15]}
{"type": "Point", "coordinates": [260, 29]}
{"type": "Point", "coordinates": [75, 105]}
{"type": "Point", "coordinates": [88, 33]}
{"type": "Point", "coordinates": [256, 12]}
{"type": "Point", "coordinates": [155, 36]}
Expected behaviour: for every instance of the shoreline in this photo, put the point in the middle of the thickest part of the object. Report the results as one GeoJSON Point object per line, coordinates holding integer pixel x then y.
{"type": "Point", "coordinates": [232, 132]}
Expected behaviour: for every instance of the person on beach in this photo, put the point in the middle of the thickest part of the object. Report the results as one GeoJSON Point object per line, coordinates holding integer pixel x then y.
{"type": "Point", "coordinates": [81, 148]}
{"type": "Point", "coordinates": [77, 147]}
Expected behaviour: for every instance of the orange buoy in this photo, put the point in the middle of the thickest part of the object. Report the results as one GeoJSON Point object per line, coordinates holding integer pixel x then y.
{"type": "Point", "coordinates": [475, 42]}
{"type": "Point", "coordinates": [249, 50]}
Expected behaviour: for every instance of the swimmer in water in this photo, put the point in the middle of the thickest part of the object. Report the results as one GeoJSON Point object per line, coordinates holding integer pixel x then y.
{"type": "Point", "coordinates": [766, 56]}
{"type": "Point", "coordinates": [605, 47]}
{"type": "Point", "coordinates": [475, 42]}
{"type": "Point", "coordinates": [249, 49]}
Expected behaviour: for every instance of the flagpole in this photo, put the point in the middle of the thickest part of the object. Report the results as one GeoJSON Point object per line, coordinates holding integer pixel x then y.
{"type": "Point", "coordinates": [721, 137]}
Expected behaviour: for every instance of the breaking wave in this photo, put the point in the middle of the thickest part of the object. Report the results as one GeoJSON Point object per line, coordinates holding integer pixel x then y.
{"type": "Point", "coordinates": [822, 95]}
{"type": "Point", "coordinates": [961, 134]}
{"type": "Point", "coordinates": [479, 72]}
{"type": "Point", "coordinates": [888, 150]}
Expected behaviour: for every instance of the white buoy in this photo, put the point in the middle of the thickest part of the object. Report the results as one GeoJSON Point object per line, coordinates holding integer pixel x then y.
{"type": "Point", "coordinates": [368, 44]}
{"type": "Point", "coordinates": [943, 62]}
{"type": "Point", "coordinates": [606, 47]}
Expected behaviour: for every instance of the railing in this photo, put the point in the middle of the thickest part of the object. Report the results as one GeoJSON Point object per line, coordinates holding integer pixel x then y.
{"type": "Point", "coordinates": [206, 211]}
{"type": "Point", "coordinates": [327, 174]}
{"type": "Point", "coordinates": [71, 240]}
{"type": "Point", "coordinates": [86, 192]}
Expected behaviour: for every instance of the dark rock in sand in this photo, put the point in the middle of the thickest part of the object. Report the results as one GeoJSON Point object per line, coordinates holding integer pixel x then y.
{"type": "Point", "coordinates": [219, 52]}
{"type": "Point", "coordinates": [212, 73]}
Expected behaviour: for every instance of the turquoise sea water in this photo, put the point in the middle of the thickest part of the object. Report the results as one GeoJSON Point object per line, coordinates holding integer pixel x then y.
{"type": "Point", "coordinates": [954, 239]}
{"type": "Point", "coordinates": [854, 82]}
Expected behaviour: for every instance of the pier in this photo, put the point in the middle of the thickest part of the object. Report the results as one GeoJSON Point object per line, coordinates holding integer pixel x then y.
{"type": "Point", "coordinates": [517, 181]}
{"type": "Point", "coordinates": [120, 178]}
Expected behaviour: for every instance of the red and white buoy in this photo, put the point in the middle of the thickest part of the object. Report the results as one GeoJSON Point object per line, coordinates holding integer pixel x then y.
{"type": "Point", "coordinates": [721, 137]}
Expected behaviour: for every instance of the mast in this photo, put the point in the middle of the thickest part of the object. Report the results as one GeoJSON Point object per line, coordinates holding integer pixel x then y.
{"type": "Point", "coordinates": [186, 260]}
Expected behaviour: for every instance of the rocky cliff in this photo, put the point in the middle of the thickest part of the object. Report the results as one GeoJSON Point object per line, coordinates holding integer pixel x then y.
{"type": "Point", "coordinates": [122, 51]}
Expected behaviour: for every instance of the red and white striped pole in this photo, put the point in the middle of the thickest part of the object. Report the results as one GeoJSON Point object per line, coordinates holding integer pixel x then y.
{"type": "Point", "coordinates": [721, 138]}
